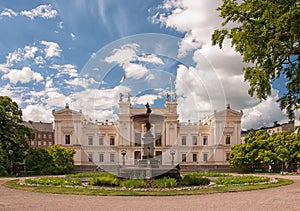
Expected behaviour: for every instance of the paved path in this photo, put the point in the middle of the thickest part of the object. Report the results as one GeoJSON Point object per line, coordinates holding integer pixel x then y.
{"type": "Point", "coordinates": [281, 198]}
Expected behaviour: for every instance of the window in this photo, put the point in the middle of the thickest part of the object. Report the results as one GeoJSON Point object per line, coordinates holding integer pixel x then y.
{"type": "Point", "coordinates": [67, 139]}
{"type": "Point", "coordinates": [205, 140]}
{"type": "Point", "coordinates": [90, 140]}
{"type": "Point", "coordinates": [45, 143]}
{"type": "Point", "coordinates": [39, 143]}
{"type": "Point", "coordinates": [101, 157]}
{"type": "Point", "coordinates": [227, 156]}
{"type": "Point", "coordinates": [194, 157]}
{"type": "Point", "coordinates": [205, 156]}
{"type": "Point", "coordinates": [158, 139]}
{"type": "Point", "coordinates": [183, 140]}
{"type": "Point", "coordinates": [50, 136]}
{"type": "Point", "coordinates": [44, 135]}
{"type": "Point", "coordinates": [228, 139]}
{"type": "Point", "coordinates": [111, 140]}
{"type": "Point", "coordinates": [112, 157]}
{"type": "Point", "coordinates": [101, 142]}
{"type": "Point", "coordinates": [183, 157]}
{"type": "Point", "coordinates": [32, 143]}
{"type": "Point", "coordinates": [39, 135]}
{"type": "Point", "coordinates": [137, 139]}
{"type": "Point", "coordinates": [194, 140]}
{"type": "Point", "coordinates": [90, 155]}
{"type": "Point", "coordinates": [137, 156]}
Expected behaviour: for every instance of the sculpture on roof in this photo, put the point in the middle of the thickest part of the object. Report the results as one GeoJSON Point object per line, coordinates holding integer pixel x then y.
{"type": "Point", "coordinates": [148, 108]}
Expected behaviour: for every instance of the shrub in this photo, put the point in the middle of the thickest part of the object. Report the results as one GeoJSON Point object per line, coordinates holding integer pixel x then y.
{"type": "Point", "coordinates": [133, 183]}
{"type": "Point", "coordinates": [194, 180]}
{"type": "Point", "coordinates": [241, 180]}
{"type": "Point", "coordinates": [165, 182]}
{"type": "Point", "coordinates": [54, 181]}
{"type": "Point", "coordinates": [92, 174]}
{"type": "Point", "coordinates": [208, 174]}
{"type": "Point", "coordinates": [104, 181]}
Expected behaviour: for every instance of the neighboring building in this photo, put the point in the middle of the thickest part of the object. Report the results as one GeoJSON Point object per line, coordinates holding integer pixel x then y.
{"type": "Point", "coordinates": [206, 142]}
{"type": "Point", "coordinates": [44, 134]}
{"type": "Point", "coordinates": [278, 128]}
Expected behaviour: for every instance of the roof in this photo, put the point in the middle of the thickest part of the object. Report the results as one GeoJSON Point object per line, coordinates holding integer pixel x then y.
{"type": "Point", "coordinates": [39, 126]}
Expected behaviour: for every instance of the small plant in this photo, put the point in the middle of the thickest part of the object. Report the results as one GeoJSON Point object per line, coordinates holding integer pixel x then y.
{"type": "Point", "coordinates": [165, 182]}
{"type": "Point", "coordinates": [208, 174]}
{"type": "Point", "coordinates": [194, 180]}
{"type": "Point", "coordinates": [104, 181]}
{"type": "Point", "coordinates": [92, 174]}
{"type": "Point", "coordinates": [241, 180]}
{"type": "Point", "coordinates": [133, 183]}
{"type": "Point", "coordinates": [54, 181]}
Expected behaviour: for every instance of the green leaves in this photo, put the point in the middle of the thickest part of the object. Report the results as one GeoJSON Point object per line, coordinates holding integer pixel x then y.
{"type": "Point", "coordinates": [262, 149]}
{"type": "Point", "coordinates": [267, 34]}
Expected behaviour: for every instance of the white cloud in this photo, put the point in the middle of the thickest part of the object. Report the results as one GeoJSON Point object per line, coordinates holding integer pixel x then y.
{"type": "Point", "coordinates": [73, 37]}
{"type": "Point", "coordinates": [123, 54]}
{"type": "Point", "coordinates": [135, 71]}
{"type": "Point", "coordinates": [24, 76]}
{"type": "Point", "coordinates": [8, 13]}
{"type": "Point", "coordinates": [151, 59]}
{"type": "Point", "coordinates": [51, 49]}
{"type": "Point", "coordinates": [39, 60]}
{"type": "Point", "coordinates": [42, 11]}
{"type": "Point", "coordinates": [37, 112]}
{"type": "Point", "coordinates": [150, 98]}
{"type": "Point", "coordinates": [14, 57]}
{"type": "Point", "coordinates": [29, 51]}
{"type": "Point", "coordinates": [264, 113]}
{"type": "Point", "coordinates": [66, 69]}
{"type": "Point", "coordinates": [83, 82]}
{"type": "Point", "coordinates": [217, 77]}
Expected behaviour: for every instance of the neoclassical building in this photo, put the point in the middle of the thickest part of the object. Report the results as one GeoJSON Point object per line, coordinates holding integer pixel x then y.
{"type": "Point", "coordinates": [154, 133]}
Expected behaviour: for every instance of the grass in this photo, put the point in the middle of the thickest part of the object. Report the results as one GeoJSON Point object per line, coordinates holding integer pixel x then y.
{"type": "Point", "coordinates": [146, 192]}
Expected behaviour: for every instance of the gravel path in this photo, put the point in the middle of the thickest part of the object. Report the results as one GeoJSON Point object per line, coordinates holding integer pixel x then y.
{"type": "Point", "coordinates": [281, 198]}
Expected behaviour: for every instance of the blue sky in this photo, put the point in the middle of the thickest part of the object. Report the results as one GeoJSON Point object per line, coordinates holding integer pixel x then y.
{"type": "Point", "coordinates": [76, 52]}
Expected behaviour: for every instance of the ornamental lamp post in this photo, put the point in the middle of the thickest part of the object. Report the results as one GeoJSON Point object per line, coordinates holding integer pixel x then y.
{"type": "Point", "coordinates": [10, 152]}
{"type": "Point", "coordinates": [172, 153]}
{"type": "Point", "coordinates": [282, 153]}
{"type": "Point", "coordinates": [123, 153]}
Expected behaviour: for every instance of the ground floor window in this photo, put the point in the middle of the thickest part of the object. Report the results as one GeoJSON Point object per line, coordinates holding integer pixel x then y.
{"type": "Point", "coordinates": [90, 156]}
{"type": "Point", "coordinates": [67, 139]}
{"type": "Point", "coordinates": [101, 157]}
{"type": "Point", "coordinates": [194, 157]}
{"type": "Point", "coordinates": [112, 157]}
{"type": "Point", "coordinates": [183, 157]}
{"type": "Point", "coordinates": [205, 157]}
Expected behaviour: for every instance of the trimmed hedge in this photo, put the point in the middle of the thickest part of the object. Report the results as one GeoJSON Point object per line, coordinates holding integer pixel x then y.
{"type": "Point", "coordinates": [192, 180]}
{"type": "Point", "coordinates": [133, 183]}
{"type": "Point", "coordinates": [241, 180]}
{"type": "Point", "coordinates": [165, 182]}
{"type": "Point", "coordinates": [104, 181]}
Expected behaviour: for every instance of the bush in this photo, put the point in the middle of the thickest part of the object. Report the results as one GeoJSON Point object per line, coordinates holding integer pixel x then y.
{"type": "Point", "coordinates": [133, 183]}
{"type": "Point", "coordinates": [241, 180]}
{"type": "Point", "coordinates": [194, 180]}
{"type": "Point", "coordinates": [92, 174]}
{"type": "Point", "coordinates": [165, 182]}
{"type": "Point", "coordinates": [104, 181]}
{"type": "Point", "coordinates": [54, 181]}
{"type": "Point", "coordinates": [208, 174]}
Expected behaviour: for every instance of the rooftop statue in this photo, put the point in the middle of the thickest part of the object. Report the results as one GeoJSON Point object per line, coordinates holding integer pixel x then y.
{"type": "Point", "coordinates": [148, 108]}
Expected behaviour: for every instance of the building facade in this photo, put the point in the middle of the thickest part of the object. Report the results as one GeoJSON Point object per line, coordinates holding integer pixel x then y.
{"type": "Point", "coordinates": [127, 140]}
{"type": "Point", "coordinates": [44, 134]}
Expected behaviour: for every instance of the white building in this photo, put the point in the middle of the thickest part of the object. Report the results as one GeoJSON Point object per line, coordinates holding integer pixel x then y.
{"type": "Point", "coordinates": [206, 142]}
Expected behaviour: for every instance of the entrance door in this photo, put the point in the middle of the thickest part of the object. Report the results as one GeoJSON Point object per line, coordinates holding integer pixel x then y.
{"type": "Point", "coordinates": [137, 156]}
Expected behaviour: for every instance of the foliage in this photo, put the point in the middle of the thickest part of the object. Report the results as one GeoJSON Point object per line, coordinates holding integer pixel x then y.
{"type": "Point", "coordinates": [54, 181]}
{"type": "Point", "coordinates": [164, 182]}
{"type": "Point", "coordinates": [266, 33]}
{"type": "Point", "coordinates": [240, 180]}
{"type": "Point", "coordinates": [207, 174]}
{"type": "Point", "coordinates": [260, 149]}
{"type": "Point", "coordinates": [39, 161]}
{"type": "Point", "coordinates": [133, 183]}
{"type": "Point", "coordinates": [92, 174]}
{"type": "Point", "coordinates": [62, 159]}
{"type": "Point", "coordinates": [104, 181]}
{"type": "Point", "coordinates": [53, 160]}
{"type": "Point", "coordinates": [194, 180]}
{"type": "Point", "coordinates": [14, 136]}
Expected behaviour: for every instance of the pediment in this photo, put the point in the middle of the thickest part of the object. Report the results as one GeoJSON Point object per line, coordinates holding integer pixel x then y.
{"type": "Point", "coordinates": [66, 111]}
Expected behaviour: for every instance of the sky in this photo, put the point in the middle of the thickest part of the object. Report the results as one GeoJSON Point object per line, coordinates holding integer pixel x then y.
{"type": "Point", "coordinates": [86, 53]}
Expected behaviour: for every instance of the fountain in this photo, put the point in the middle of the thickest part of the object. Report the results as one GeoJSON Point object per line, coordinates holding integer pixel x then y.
{"type": "Point", "coordinates": [149, 166]}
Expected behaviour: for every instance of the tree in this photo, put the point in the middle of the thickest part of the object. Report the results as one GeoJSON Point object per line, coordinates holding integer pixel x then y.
{"type": "Point", "coordinates": [39, 161]}
{"type": "Point", "coordinates": [62, 159]}
{"type": "Point", "coordinates": [267, 34]}
{"type": "Point", "coordinates": [14, 136]}
{"type": "Point", "coordinates": [261, 150]}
